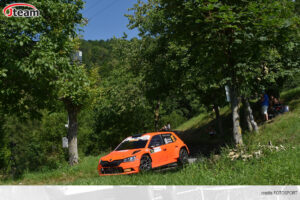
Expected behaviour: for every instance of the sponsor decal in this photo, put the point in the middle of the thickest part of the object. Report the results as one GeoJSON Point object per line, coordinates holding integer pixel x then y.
{"type": "Point", "coordinates": [173, 138]}
{"type": "Point", "coordinates": [155, 150]}
{"type": "Point", "coordinates": [12, 11]}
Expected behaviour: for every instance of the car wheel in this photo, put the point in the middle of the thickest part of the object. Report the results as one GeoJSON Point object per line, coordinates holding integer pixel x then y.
{"type": "Point", "coordinates": [183, 157]}
{"type": "Point", "coordinates": [145, 163]}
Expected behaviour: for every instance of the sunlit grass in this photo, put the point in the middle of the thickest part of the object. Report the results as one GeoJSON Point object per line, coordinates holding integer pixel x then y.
{"type": "Point", "coordinates": [201, 119]}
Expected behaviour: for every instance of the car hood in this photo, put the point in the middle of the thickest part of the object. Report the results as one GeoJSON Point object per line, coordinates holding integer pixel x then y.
{"type": "Point", "coordinates": [117, 155]}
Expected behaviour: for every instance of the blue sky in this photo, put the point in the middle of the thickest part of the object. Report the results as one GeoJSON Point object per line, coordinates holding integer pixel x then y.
{"type": "Point", "coordinates": [106, 19]}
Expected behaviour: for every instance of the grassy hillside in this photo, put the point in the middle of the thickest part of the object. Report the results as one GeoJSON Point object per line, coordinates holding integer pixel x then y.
{"type": "Point", "coordinates": [270, 157]}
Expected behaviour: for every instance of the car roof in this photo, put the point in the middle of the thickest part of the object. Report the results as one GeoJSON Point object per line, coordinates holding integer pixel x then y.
{"type": "Point", "coordinates": [153, 133]}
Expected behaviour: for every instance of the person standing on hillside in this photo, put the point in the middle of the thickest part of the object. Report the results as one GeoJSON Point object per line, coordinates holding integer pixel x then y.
{"type": "Point", "coordinates": [265, 106]}
{"type": "Point", "coordinates": [166, 127]}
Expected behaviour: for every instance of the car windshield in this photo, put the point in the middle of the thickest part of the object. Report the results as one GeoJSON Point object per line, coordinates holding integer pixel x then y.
{"type": "Point", "coordinates": [133, 143]}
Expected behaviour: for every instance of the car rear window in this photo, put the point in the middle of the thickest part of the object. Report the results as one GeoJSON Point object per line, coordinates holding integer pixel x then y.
{"type": "Point", "coordinates": [168, 138]}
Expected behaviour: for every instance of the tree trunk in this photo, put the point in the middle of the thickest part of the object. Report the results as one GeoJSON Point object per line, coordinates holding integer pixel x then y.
{"type": "Point", "coordinates": [250, 116]}
{"type": "Point", "coordinates": [237, 132]}
{"type": "Point", "coordinates": [13, 165]}
{"type": "Point", "coordinates": [247, 118]}
{"type": "Point", "coordinates": [72, 133]}
{"type": "Point", "coordinates": [218, 118]}
{"type": "Point", "coordinates": [156, 115]}
{"type": "Point", "coordinates": [246, 115]}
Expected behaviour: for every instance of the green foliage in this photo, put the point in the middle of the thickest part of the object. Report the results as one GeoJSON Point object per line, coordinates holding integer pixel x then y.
{"type": "Point", "coordinates": [37, 69]}
{"type": "Point", "coordinates": [121, 108]}
{"type": "Point", "coordinates": [115, 107]}
{"type": "Point", "coordinates": [96, 53]}
{"type": "Point", "coordinates": [74, 86]}
{"type": "Point", "coordinates": [246, 44]}
{"type": "Point", "coordinates": [175, 118]}
{"type": "Point", "coordinates": [36, 145]}
{"type": "Point", "coordinates": [125, 91]}
{"type": "Point", "coordinates": [32, 144]}
{"type": "Point", "coordinates": [292, 82]}
{"type": "Point", "coordinates": [34, 52]}
{"type": "Point", "coordinates": [297, 6]}
{"type": "Point", "coordinates": [4, 150]}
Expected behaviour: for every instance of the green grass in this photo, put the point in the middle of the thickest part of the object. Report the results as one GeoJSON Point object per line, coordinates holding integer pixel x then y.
{"type": "Point", "coordinates": [194, 122]}
{"type": "Point", "coordinates": [276, 168]}
{"type": "Point", "coordinates": [200, 120]}
{"type": "Point", "coordinates": [85, 169]}
{"type": "Point", "coordinates": [272, 168]}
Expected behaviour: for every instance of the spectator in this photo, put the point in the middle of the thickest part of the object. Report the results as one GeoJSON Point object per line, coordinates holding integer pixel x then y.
{"type": "Point", "coordinates": [265, 106]}
{"type": "Point", "coordinates": [166, 127]}
{"type": "Point", "coordinates": [211, 131]}
{"type": "Point", "coordinates": [276, 102]}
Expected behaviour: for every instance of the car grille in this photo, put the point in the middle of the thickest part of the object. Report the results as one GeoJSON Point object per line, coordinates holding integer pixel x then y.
{"type": "Point", "coordinates": [114, 163]}
{"type": "Point", "coordinates": [112, 170]}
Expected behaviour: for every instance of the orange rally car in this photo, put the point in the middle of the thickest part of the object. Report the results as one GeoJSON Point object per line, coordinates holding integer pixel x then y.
{"type": "Point", "coordinates": [143, 152]}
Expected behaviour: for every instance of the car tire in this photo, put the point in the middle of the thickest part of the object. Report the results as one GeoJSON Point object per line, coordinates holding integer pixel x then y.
{"type": "Point", "coordinates": [183, 157]}
{"type": "Point", "coordinates": [145, 163]}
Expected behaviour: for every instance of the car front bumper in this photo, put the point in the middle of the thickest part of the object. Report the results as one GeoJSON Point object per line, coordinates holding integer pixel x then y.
{"type": "Point", "coordinates": [123, 168]}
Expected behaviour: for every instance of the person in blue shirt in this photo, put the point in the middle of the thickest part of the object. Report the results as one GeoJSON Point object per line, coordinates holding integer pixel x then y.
{"type": "Point", "coordinates": [265, 106]}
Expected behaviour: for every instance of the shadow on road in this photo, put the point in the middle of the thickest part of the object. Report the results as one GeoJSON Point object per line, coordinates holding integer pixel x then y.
{"type": "Point", "coordinates": [201, 143]}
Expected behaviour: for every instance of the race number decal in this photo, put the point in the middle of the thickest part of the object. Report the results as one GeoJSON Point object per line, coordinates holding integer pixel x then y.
{"type": "Point", "coordinates": [157, 149]}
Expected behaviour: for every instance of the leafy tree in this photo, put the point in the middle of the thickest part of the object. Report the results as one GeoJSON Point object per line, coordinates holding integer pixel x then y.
{"type": "Point", "coordinates": [234, 43]}
{"type": "Point", "coordinates": [75, 92]}
{"type": "Point", "coordinates": [121, 109]}
{"type": "Point", "coordinates": [36, 69]}
{"type": "Point", "coordinates": [155, 60]}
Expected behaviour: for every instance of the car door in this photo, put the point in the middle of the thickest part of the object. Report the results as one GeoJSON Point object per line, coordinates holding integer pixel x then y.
{"type": "Point", "coordinates": [158, 151]}
{"type": "Point", "coordinates": [171, 146]}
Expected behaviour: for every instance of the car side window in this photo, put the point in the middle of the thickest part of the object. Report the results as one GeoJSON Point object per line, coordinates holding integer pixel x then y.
{"type": "Point", "coordinates": [168, 138]}
{"type": "Point", "coordinates": [156, 141]}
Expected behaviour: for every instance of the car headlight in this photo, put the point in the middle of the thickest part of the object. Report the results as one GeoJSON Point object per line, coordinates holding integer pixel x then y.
{"type": "Point", "coordinates": [130, 159]}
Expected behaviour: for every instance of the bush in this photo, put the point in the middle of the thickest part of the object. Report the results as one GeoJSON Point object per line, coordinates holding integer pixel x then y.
{"type": "Point", "coordinates": [32, 144]}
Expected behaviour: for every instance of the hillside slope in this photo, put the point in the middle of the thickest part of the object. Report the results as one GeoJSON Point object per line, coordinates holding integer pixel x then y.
{"type": "Point", "coordinates": [270, 157]}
